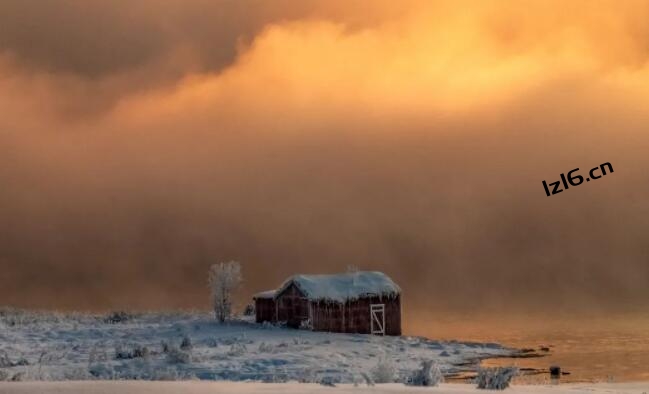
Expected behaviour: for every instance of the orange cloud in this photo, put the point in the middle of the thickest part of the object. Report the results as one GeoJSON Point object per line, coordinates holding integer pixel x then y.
{"type": "Point", "coordinates": [411, 140]}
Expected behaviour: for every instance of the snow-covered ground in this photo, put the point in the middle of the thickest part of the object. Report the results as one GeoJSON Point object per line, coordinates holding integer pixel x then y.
{"type": "Point", "coordinates": [48, 346]}
{"type": "Point", "coordinates": [192, 387]}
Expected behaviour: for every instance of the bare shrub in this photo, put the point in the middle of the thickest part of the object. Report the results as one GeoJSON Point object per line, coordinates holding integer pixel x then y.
{"type": "Point", "coordinates": [237, 349]}
{"type": "Point", "coordinates": [384, 371]}
{"type": "Point", "coordinates": [306, 325]}
{"type": "Point", "coordinates": [97, 355]}
{"type": "Point", "coordinates": [429, 375]}
{"type": "Point", "coordinates": [76, 374]}
{"type": "Point", "coordinates": [141, 352]}
{"type": "Point", "coordinates": [495, 378]}
{"type": "Point", "coordinates": [177, 356]}
{"type": "Point", "coordinates": [5, 361]}
{"type": "Point", "coordinates": [186, 343]}
{"type": "Point", "coordinates": [265, 347]}
{"type": "Point", "coordinates": [118, 317]}
{"type": "Point", "coordinates": [101, 371]}
{"type": "Point", "coordinates": [137, 351]}
{"type": "Point", "coordinates": [308, 375]}
{"type": "Point", "coordinates": [328, 381]}
{"type": "Point", "coordinates": [368, 379]}
{"type": "Point", "coordinates": [18, 377]}
{"type": "Point", "coordinates": [166, 375]}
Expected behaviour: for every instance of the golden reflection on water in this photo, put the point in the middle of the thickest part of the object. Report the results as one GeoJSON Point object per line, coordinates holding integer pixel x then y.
{"type": "Point", "coordinates": [591, 348]}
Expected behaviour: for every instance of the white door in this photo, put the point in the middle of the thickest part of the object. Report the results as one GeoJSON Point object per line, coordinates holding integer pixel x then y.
{"type": "Point", "coordinates": [377, 313]}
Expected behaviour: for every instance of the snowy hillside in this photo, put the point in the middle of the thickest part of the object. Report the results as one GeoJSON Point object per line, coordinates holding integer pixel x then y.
{"type": "Point", "coordinates": [45, 346]}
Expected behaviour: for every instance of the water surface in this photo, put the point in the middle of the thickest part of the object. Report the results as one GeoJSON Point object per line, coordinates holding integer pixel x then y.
{"type": "Point", "coordinates": [591, 348]}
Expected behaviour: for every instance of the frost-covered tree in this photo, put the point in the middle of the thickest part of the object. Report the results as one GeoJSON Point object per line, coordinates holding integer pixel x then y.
{"type": "Point", "coordinates": [224, 279]}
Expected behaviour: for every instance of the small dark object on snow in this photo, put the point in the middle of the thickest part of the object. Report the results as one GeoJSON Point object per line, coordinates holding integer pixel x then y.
{"type": "Point", "coordinates": [555, 372]}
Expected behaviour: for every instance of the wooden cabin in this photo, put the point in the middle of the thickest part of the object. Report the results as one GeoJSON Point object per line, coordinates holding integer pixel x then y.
{"type": "Point", "coordinates": [364, 302]}
{"type": "Point", "coordinates": [264, 306]}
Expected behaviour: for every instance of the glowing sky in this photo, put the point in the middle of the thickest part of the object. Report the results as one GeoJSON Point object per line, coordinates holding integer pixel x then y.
{"type": "Point", "coordinates": [142, 141]}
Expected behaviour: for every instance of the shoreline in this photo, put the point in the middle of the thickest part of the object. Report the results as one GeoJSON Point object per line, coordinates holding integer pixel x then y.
{"type": "Point", "coordinates": [204, 387]}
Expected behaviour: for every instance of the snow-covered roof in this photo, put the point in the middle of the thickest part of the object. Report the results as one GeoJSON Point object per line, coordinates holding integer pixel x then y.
{"type": "Point", "coordinates": [342, 287]}
{"type": "Point", "coordinates": [268, 294]}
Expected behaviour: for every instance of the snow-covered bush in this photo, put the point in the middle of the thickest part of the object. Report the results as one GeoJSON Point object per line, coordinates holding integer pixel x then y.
{"type": "Point", "coordinates": [186, 343]}
{"type": "Point", "coordinates": [384, 371]}
{"type": "Point", "coordinates": [18, 377]}
{"type": "Point", "coordinates": [306, 324]}
{"type": "Point", "coordinates": [97, 355]}
{"type": "Point", "coordinates": [76, 374]}
{"type": "Point", "coordinates": [167, 374]}
{"type": "Point", "coordinates": [101, 371]}
{"type": "Point", "coordinates": [328, 381]}
{"type": "Point", "coordinates": [177, 356]}
{"type": "Point", "coordinates": [268, 325]}
{"type": "Point", "coordinates": [141, 352]}
{"type": "Point", "coordinates": [224, 279]}
{"type": "Point", "coordinates": [118, 317]}
{"type": "Point", "coordinates": [3, 375]}
{"type": "Point", "coordinates": [495, 378]}
{"type": "Point", "coordinates": [165, 346]}
{"type": "Point", "coordinates": [5, 361]}
{"type": "Point", "coordinates": [265, 347]}
{"type": "Point", "coordinates": [428, 375]}
{"type": "Point", "coordinates": [13, 317]}
{"type": "Point", "coordinates": [137, 351]}
{"type": "Point", "coordinates": [300, 341]}
{"type": "Point", "coordinates": [368, 379]}
{"type": "Point", "coordinates": [308, 375]}
{"type": "Point", "coordinates": [237, 349]}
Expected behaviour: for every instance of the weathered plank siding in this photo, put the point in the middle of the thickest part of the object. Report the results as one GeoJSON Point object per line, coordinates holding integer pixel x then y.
{"type": "Point", "coordinates": [292, 307]}
{"type": "Point", "coordinates": [355, 317]}
{"type": "Point", "coordinates": [327, 316]}
{"type": "Point", "coordinates": [358, 316]}
{"type": "Point", "coordinates": [264, 310]}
